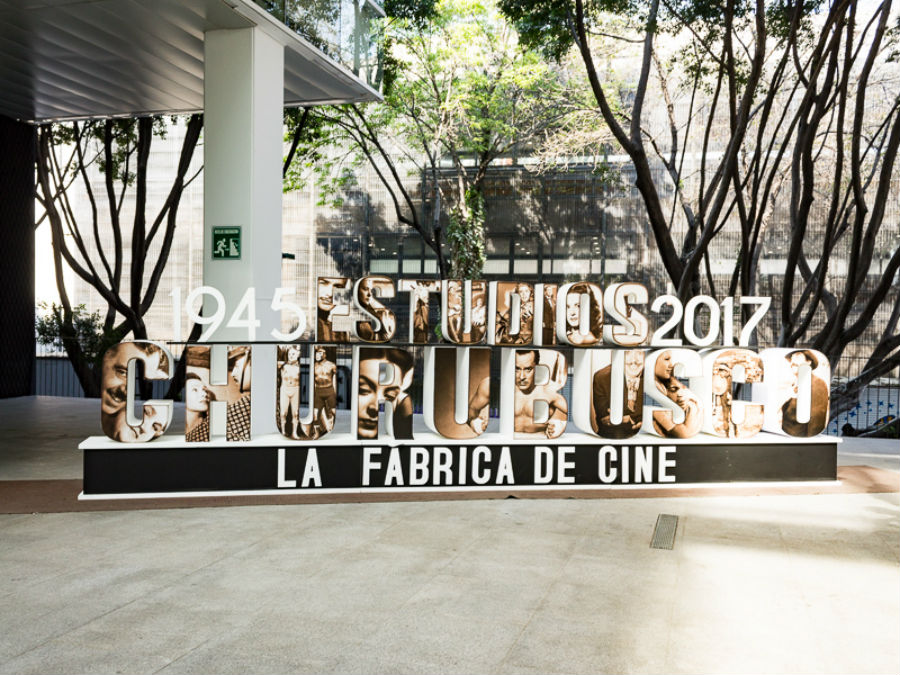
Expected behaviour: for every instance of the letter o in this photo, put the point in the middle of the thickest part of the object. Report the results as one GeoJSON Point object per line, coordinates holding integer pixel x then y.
{"type": "Point", "coordinates": [714, 319]}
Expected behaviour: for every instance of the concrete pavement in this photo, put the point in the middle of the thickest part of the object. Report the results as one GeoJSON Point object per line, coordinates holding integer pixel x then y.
{"type": "Point", "coordinates": [780, 584]}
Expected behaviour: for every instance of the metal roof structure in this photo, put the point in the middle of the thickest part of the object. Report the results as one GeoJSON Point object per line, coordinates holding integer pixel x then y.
{"type": "Point", "coordinates": [72, 59]}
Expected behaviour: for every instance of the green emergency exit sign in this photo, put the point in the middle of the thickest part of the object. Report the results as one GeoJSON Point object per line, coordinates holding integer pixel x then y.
{"type": "Point", "coordinates": [226, 243]}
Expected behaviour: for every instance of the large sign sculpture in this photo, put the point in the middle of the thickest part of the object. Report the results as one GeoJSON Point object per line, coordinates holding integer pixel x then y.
{"type": "Point", "coordinates": [643, 408]}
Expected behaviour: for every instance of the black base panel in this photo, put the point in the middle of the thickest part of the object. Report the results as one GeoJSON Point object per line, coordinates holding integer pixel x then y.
{"type": "Point", "coordinates": [191, 469]}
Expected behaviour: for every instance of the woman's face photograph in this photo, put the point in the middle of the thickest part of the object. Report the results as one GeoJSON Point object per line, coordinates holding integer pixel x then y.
{"type": "Point", "coordinates": [370, 392]}
{"type": "Point", "coordinates": [293, 354]}
{"type": "Point", "coordinates": [196, 397]}
{"type": "Point", "coordinates": [664, 366]}
{"type": "Point", "coordinates": [241, 373]}
{"type": "Point", "coordinates": [153, 425]}
{"type": "Point", "coordinates": [573, 309]}
{"type": "Point", "coordinates": [365, 293]}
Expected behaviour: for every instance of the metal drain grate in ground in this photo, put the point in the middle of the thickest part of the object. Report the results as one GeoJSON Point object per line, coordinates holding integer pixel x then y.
{"type": "Point", "coordinates": [664, 532]}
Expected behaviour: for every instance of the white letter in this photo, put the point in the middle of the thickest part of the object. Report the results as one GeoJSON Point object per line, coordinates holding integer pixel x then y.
{"type": "Point", "coordinates": [461, 471]}
{"type": "Point", "coordinates": [481, 454]}
{"type": "Point", "coordinates": [282, 481]}
{"type": "Point", "coordinates": [607, 452]}
{"type": "Point", "coordinates": [369, 464]}
{"type": "Point", "coordinates": [665, 463]}
{"type": "Point", "coordinates": [505, 470]}
{"type": "Point", "coordinates": [418, 466]}
{"type": "Point", "coordinates": [643, 464]}
{"type": "Point", "coordinates": [618, 301]}
{"type": "Point", "coordinates": [394, 469]}
{"type": "Point", "coordinates": [543, 464]}
{"type": "Point", "coordinates": [311, 475]}
{"type": "Point", "coordinates": [564, 464]}
{"type": "Point", "coordinates": [443, 460]}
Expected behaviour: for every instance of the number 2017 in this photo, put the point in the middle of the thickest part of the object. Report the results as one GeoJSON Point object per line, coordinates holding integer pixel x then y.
{"type": "Point", "coordinates": [720, 317]}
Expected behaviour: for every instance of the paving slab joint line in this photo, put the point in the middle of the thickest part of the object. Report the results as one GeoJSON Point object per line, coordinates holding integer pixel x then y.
{"type": "Point", "coordinates": [538, 606]}
{"type": "Point", "coordinates": [72, 629]}
{"type": "Point", "coordinates": [188, 652]}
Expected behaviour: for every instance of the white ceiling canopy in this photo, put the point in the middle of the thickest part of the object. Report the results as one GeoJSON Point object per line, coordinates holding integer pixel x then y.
{"type": "Point", "coordinates": [70, 59]}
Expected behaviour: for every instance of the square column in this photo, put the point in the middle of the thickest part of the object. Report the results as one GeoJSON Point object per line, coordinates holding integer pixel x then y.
{"type": "Point", "coordinates": [242, 146]}
{"type": "Point", "coordinates": [17, 271]}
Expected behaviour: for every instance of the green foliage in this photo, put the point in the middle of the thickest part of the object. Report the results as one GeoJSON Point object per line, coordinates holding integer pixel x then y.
{"type": "Point", "coordinates": [323, 157]}
{"type": "Point", "coordinates": [460, 92]}
{"type": "Point", "coordinates": [124, 138]}
{"type": "Point", "coordinates": [468, 86]}
{"type": "Point", "coordinates": [313, 135]}
{"type": "Point", "coordinates": [391, 65]}
{"type": "Point", "coordinates": [316, 20]}
{"type": "Point", "coordinates": [86, 328]}
{"type": "Point", "coordinates": [312, 19]}
{"type": "Point", "coordinates": [780, 14]}
{"type": "Point", "coordinates": [547, 26]}
{"type": "Point", "coordinates": [465, 234]}
{"type": "Point", "coordinates": [892, 42]}
{"type": "Point", "coordinates": [416, 12]}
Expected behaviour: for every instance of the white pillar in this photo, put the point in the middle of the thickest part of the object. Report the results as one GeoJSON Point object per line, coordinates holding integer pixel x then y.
{"type": "Point", "coordinates": [242, 146]}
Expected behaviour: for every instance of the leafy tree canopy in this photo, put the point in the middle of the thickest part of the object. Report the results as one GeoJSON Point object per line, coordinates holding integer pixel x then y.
{"type": "Point", "coordinates": [460, 92]}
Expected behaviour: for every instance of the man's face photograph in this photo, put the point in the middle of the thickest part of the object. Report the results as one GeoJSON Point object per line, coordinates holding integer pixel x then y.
{"type": "Point", "coordinates": [526, 362]}
{"type": "Point", "coordinates": [454, 298]}
{"type": "Point", "coordinates": [797, 361]}
{"type": "Point", "coordinates": [115, 378]}
{"type": "Point", "coordinates": [721, 379]}
{"type": "Point", "coordinates": [524, 292]}
{"type": "Point", "coordinates": [326, 304]}
{"type": "Point", "coordinates": [634, 363]}
{"type": "Point", "coordinates": [115, 372]}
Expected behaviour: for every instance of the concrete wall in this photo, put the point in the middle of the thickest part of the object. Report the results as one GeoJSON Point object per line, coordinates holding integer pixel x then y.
{"type": "Point", "coordinates": [16, 258]}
